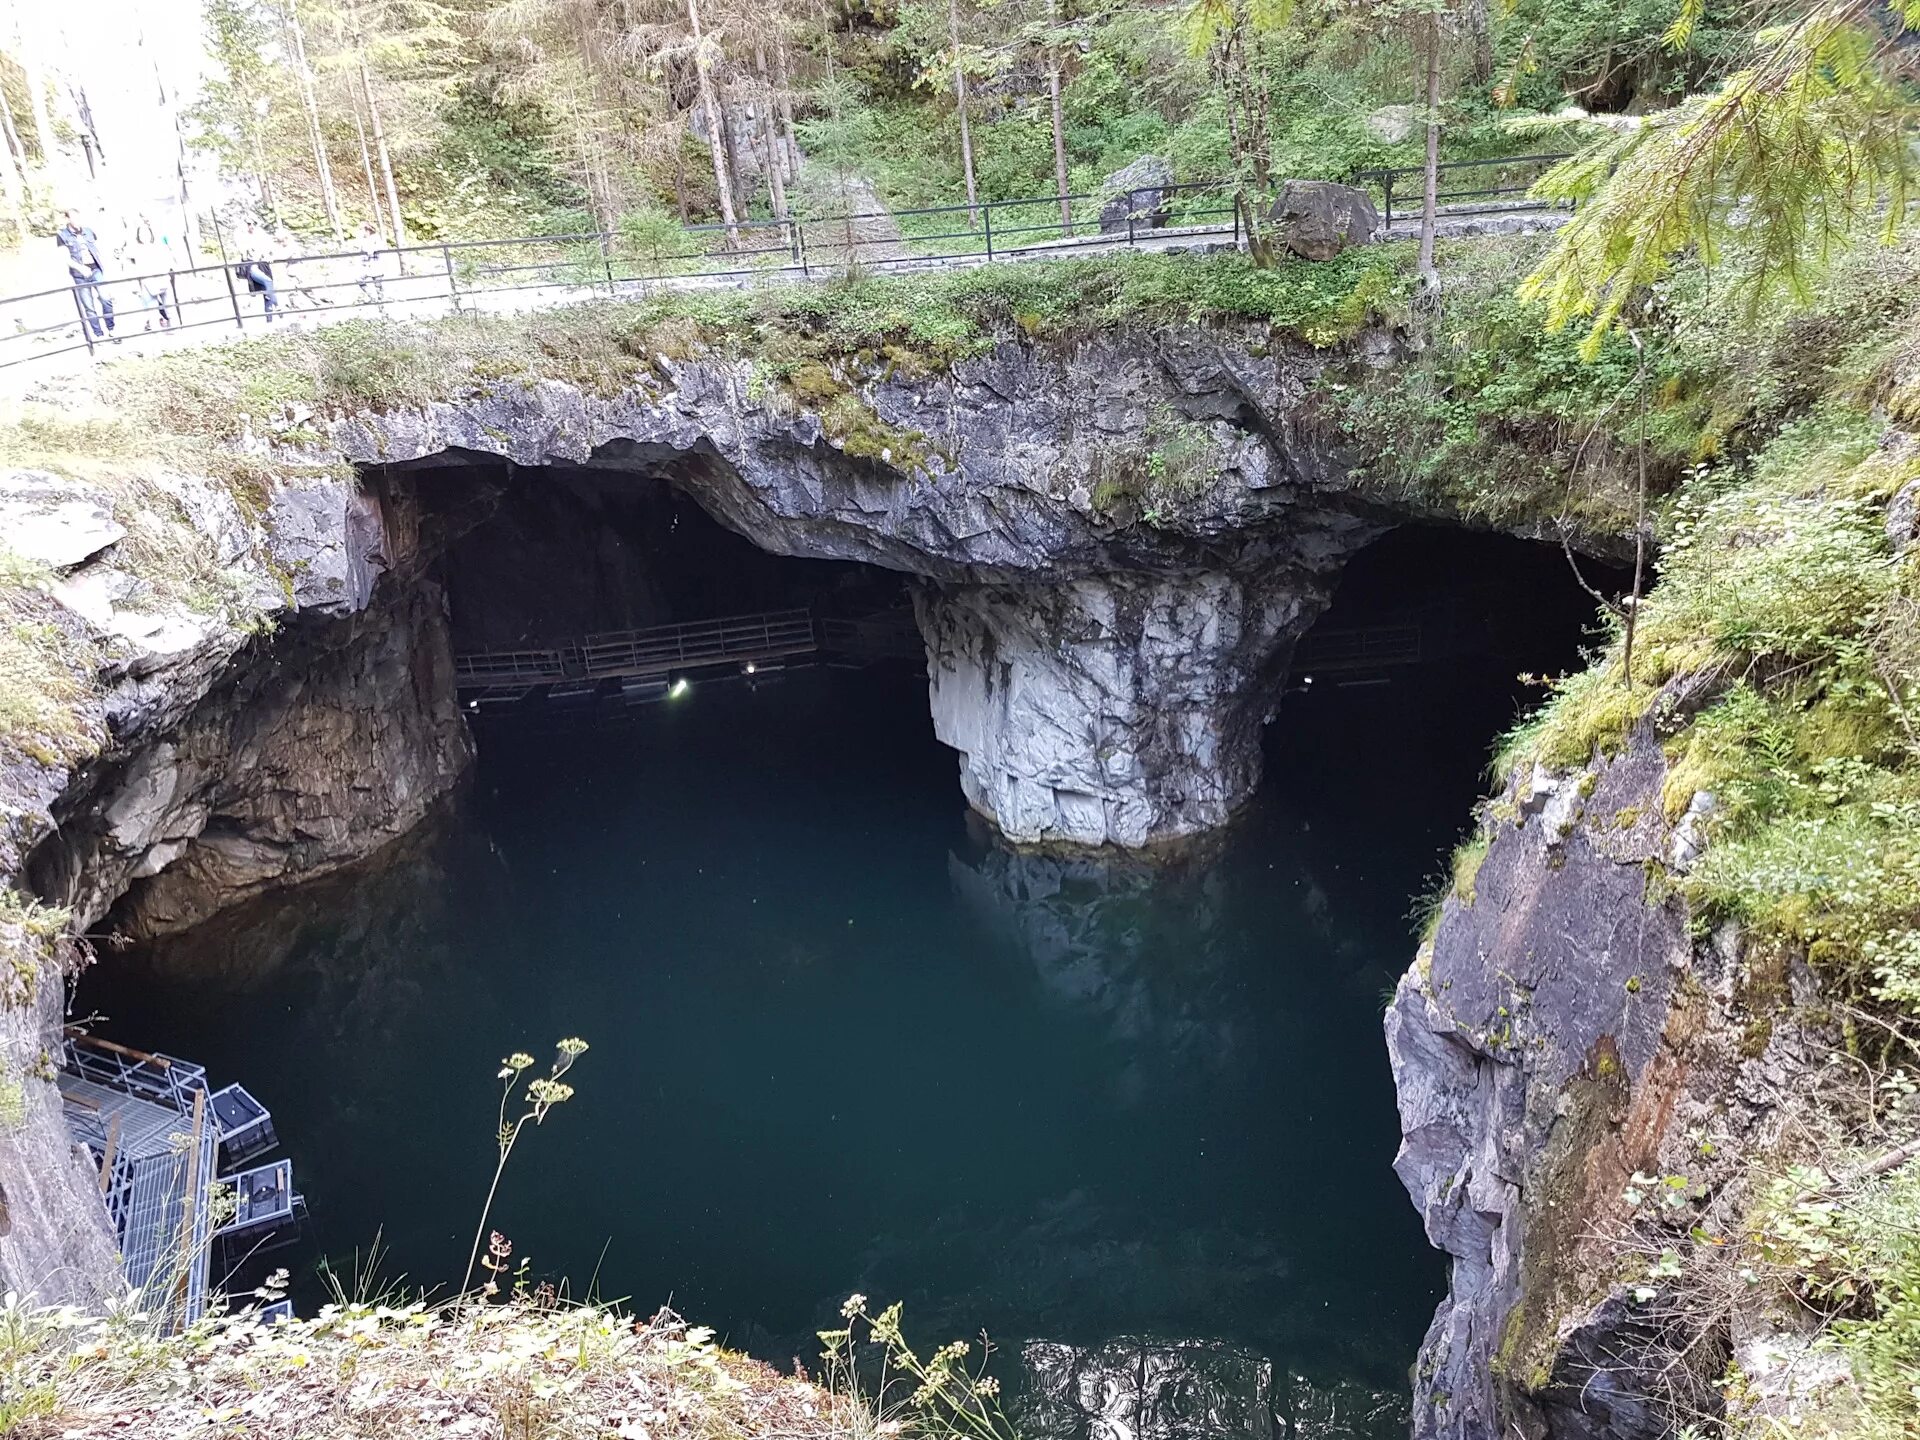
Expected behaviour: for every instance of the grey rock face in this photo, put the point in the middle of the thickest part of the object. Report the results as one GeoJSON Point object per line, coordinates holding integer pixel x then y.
{"type": "Point", "coordinates": [1903, 517]}
{"type": "Point", "coordinates": [328, 540]}
{"type": "Point", "coordinates": [55, 1244]}
{"type": "Point", "coordinates": [337, 750]}
{"type": "Point", "coordinates": [1112, 711]}
{"type": "Point", "coordinates": [1562, 1033]}
{"type": "Point", "coordinates": [1137, 194]}
{"type": "Point", "coordinates": [314, 748]}
{"type": "Point", "coordinates": [1138, 659]}
{"type": "Point", "coordinates": [52, 521]}
{"type": "Point", "coordinates": [1317, 219]}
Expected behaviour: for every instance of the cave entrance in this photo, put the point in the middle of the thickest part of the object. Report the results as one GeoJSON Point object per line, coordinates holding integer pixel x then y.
{"type": "Point", "coordinates": [842, 1041]}
{"type": "Point", "coordinates": [609, 586]}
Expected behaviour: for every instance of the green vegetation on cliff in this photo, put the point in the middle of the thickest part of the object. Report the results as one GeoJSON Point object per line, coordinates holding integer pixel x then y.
{"type": "Point", "coordinates": [1777, 659]}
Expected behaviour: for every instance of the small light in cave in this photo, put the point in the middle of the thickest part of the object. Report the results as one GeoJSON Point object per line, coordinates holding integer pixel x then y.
{"type": "Point", "coordinates": [473, 704]}
{"type": "Point", "coordinates": [749, 667]}
{"type": "Point", "coordinates": [678, 688]}
{"type": "Point", "coordinates": [1306, 679]}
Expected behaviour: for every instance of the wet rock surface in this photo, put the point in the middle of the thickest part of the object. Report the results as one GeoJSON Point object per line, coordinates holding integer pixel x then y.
{"type": "Point", "coordinates": [1562, 1032]}
{"type": "Point", "coordinates": [1146, 1389]}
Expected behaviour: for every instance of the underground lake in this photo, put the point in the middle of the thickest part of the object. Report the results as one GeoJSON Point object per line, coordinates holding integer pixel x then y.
{"type": "Point", "coordinates": [844, 1041]}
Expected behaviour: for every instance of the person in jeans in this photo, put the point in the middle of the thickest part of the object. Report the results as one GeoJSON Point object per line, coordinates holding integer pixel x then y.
{"type": "Point", "coordinates": [150, 260]}
{"type": "Point", "coordinates": [86, 266]}
{"type": "Point", "coordinates": [255, 268]}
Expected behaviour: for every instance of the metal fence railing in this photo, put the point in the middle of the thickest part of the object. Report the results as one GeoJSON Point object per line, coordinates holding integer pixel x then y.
{"type": "Point", "coordinates": [158, 1078]}
{"type": "Point", "coordinates": [488, 275]}
{"type": "Point", "coordinates": [1500, 180]}
{"type": "Point", "coordinates": [493, 275]}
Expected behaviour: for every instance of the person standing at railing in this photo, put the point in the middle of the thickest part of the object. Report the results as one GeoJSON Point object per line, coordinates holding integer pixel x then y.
{"type": "Point", "coordinates": [372, 278]}
{"type": "Point", "coordinates": [255, 267]}
{"type": "Point", "coordinates": [86, 266]}
{"type": "Point", "coordinates": [149, 259]}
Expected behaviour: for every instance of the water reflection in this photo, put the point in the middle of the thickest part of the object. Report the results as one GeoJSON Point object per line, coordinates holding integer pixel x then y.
{"type": "Point", "coordinates": [840, 1042]}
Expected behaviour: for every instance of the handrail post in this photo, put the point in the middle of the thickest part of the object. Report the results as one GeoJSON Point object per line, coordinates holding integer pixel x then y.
{"type": "Point", "coordinates": [173, 290]}
{"type": "Point", "coordinates": [453, 289]}
{"type": "Point", "coordinates": [86, 332]}
{"type": "Point", "coordinates": [1386, 186]}
{"type": "Point", "coordinates": [233, 295]}
{"type": "Point", "coordinates": [986, 212]}
{"type": "Point", "coordinates": [800, 236]}
{"type": "Point", "coordinates": [1130, 195]}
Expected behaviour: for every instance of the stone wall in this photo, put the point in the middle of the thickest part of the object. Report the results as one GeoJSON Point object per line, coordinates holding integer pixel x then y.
{"type": "Point", "coordinates": [1114, 710]}
{"type": "Point", "coordinates": [300, 720]}
{"type": "Point", "coordinates": [1563, 1031]}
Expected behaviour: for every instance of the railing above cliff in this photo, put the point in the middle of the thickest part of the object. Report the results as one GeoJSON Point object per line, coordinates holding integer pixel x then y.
{"type": "Point", "coordinates": [162, 309]}
{"type": "Point", "coordinates": [1489, 184]}
{"type": "Point", "coordinates": [159, 309]}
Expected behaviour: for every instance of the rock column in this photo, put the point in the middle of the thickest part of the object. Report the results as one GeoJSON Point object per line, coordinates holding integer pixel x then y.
{"type": "Point", "coordinates": [1119, 710]}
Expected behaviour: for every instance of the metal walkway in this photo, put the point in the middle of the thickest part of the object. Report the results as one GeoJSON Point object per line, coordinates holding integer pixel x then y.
{"type": "Point", "coordinates": [158, 1136]}
{"type": "Point", "coordinates": [743, 644]}
{"type": "Point", "coordinates": [660, 653]}
{"type": "Point", "coordinates": [147, 1121]}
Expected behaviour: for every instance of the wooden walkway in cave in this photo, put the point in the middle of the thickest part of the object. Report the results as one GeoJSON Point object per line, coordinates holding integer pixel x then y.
{"type": "Point", "coordinates": [655, 657]}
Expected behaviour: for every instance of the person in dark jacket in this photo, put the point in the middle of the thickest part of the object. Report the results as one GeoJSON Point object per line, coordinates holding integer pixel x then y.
{"type": "Point", "coordinates": [86, 266]}
{"type": "Point", "coordinates": [256, 268]}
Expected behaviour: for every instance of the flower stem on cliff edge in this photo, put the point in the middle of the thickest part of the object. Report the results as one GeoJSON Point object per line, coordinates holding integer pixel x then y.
{"type": "Point", "coordinates": [540, 1096]}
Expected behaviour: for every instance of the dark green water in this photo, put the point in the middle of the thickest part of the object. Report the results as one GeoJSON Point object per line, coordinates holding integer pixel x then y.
{"type": "Point", "coordinates": [841, 1043]}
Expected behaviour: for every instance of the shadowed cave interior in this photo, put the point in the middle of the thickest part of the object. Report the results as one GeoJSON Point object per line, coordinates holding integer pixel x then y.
{"type": "Point", "coordinates": [843, 1039]}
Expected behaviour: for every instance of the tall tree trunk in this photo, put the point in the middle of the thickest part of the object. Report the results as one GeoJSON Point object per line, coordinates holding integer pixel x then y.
{"type": "Point", "coordinates": [776, 182]}
{"type": "Point", "coordinates": [1430, 189]}
{"type": "Point", "coordinates": [9, 134]}
{"type": "Point", "coordinates": [13, 176]}
{"type": "Point", "coordinates": [1479, 25]}
{"type": "Point", "coordinates": [379, 130]}
{"type": "Point", "coordinates": [366, 169]}
{"type": "Point", "coordinates": [1059, 118]}
{"type": "Point", "coordinates": [37, 95]}
{"type": "Point", "coordinates": [742, 192]}
{"type": "Point", "coordinates": [716, 133]}
{"type": "Point", "coordinates": [309, 98]}
{"type": "Point", "coordinates": [16, 167]}
{"type": "Point", "coordinates": [960, 108]}
{"type": "Point", "coordinates": [260, 175]}
{"type": "Point", "coordinates": [786, 107]}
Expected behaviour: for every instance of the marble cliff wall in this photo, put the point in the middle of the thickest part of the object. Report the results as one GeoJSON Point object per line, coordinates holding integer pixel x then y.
{"type": "Point", "coordinates": [1118, 546]}
{"type": "Point", "coordinates": [1114, 550]}
{"type": "Point", "coordinates": [298, 720]}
